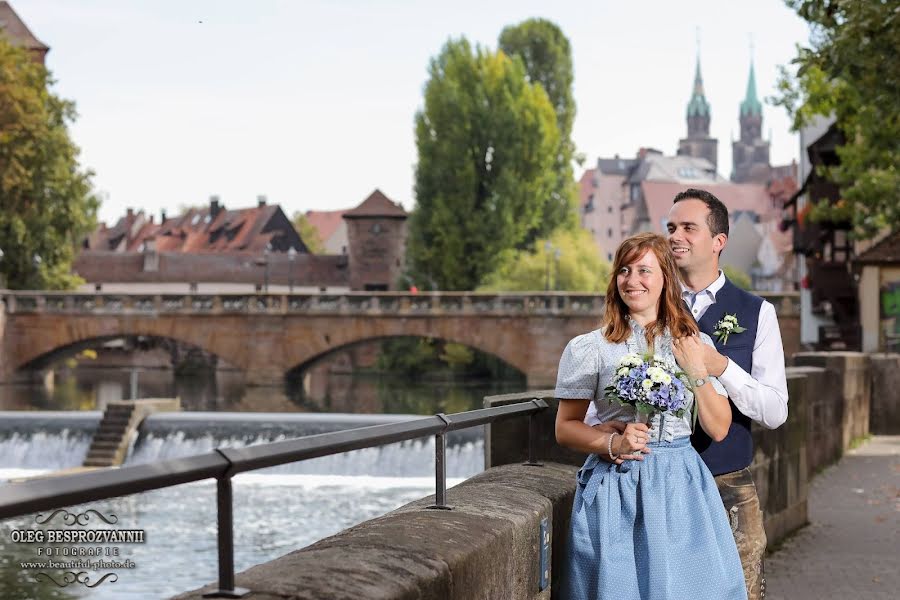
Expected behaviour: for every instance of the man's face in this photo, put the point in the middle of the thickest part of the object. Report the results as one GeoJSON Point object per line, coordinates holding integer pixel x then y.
{"type": "Point", "coordinates": [692, 242]}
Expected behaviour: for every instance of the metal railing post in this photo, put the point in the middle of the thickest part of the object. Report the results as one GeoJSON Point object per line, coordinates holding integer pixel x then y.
{"type": "Point", "coordinates": [440, 467]}
{"type": "Point", "coordinates": [226, 542]}
{"type": "Point", "coordinates": [541, 404]}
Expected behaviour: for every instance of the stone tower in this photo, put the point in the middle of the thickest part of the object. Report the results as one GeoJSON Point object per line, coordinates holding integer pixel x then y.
{"type": "Point", "coordinates": [750, 154]}
{"type": "Point", "coordinates": [698, 143]}
{"type": "Point", "coordinates": [376, 236]}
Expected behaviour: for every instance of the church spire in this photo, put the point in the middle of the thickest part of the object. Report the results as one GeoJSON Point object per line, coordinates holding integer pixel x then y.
{"type": "Point", "coordinates": [751, 104]}
{"type": "Point", "coordinates": [698, 105]}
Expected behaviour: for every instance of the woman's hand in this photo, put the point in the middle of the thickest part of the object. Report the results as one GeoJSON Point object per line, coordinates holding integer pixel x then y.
{"type": "Point", "coordinates": [632, 442]}
{"type": "Point", "coordinates": [619, 427]}
{"type": "Point", "coordinates": [690, 356]}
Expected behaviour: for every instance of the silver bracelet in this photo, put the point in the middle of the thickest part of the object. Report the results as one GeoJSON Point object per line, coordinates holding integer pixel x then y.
{"type": "Point", "coordinates": [609, 446]}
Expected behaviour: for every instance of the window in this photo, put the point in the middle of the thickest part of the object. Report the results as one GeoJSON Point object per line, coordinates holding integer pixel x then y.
{"type": "Point", "coordinates": [609, 232]}
{"type": "Point", "coordinates": [609, 208]}
{"type": "Point", "coordinates": [609, 256]}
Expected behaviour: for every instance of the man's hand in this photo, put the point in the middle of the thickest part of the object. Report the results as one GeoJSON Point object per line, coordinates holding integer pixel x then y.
{"type": "Point", "coordinates": [619, 427]}
{"type": "Point", "coordinates": [715, 362]}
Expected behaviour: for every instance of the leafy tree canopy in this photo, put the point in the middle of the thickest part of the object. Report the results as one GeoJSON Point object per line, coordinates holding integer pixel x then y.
{"type": "Point", "coordinates": [850, 71]}
{"type": "Point", "coordinates": [46, 202]}
{"type": "Point", "coordinates": [487, 141]}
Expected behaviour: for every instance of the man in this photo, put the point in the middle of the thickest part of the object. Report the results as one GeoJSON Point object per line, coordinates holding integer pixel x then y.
{"type": "Point", "coordinates": [748, 359]}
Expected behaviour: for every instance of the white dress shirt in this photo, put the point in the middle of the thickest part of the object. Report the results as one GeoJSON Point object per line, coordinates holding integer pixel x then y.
{"type": "Point", "coordinates": [761, 394]}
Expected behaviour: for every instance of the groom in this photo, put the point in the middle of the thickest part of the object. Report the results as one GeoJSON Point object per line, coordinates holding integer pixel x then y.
{"type": "Point", "coordinates": [748, 359]}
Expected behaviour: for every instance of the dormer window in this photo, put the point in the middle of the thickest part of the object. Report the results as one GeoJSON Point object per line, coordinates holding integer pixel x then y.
{"type": "Point", "coordinates": [195, 219]}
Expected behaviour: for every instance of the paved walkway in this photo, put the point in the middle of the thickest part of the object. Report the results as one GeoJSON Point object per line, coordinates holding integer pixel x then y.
{"type": "Point", "coordinates": [851, 548]}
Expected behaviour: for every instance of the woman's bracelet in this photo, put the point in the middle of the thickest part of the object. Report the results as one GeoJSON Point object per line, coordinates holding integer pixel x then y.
{"type": "Point", "coordinates": [609, 446]}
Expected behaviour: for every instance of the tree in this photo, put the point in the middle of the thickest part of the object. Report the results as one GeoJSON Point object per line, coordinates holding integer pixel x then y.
{"type": "Point", "coordinates": [547, 56]}
{"type": "Point", "coordinates": [487, 141]}
{"type": "Point", "coordinates": [850, 71]}
{"type": "Point", "coordinates": [46, 202]}
{"type": "Point", "coordinates": [737, 277]}
{"type": "Point", "coordinates": [308, 233]}
{"type": "Point", "coordinates": [569, 261]}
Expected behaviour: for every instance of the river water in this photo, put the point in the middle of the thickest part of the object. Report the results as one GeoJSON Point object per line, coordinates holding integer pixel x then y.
{"type": "Point", "coordinates": [276, 511]}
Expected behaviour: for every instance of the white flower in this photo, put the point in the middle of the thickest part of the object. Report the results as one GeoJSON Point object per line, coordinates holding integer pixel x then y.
{"type": "Point", "coordinates": [730, 319]}
{"type": "Point", "coordinates": [623, 371]}
{"type": "Point", "coordinates": [632, 359]}
{"type": "Point", "coordinates": [667, 380]}
{"type": "Point", "coordinates": [646, 384]}
{"type": "Point", "coordinates": [656, 374]}
{"type": "Point", "coordinates": [727, 325]}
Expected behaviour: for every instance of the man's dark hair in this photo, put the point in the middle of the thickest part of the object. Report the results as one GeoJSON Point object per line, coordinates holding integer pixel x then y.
{"type": "Point", "coordinates": [717, 220]}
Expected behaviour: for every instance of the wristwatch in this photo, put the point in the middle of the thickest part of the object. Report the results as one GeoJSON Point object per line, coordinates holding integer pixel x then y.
{"type": "Point", "coordinates": [701, 381]}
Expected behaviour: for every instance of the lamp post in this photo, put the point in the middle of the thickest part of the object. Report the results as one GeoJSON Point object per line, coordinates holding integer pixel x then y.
{"type": "Point", "coordinates": [292, 254]}
{"type": "Point", "coordinates": [556, 255]}
{"type": "Point", "coordinates": [548, 247]}
{"type": "Point", "coordinates": [266, 274]}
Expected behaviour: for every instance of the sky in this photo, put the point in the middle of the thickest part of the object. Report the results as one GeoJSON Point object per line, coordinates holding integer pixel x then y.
{"type": "Point", "coordinates": [312, 102]}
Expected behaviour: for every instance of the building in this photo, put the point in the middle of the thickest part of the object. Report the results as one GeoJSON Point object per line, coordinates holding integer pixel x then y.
{"type": "Point", "coordinates": [18, 33]}
{"type": "Point", "coordinates": [620, 197]}
{"type": "Point", "coordinates": [698, 142]}
{"type": "Point", "coordinates": [750, 153]}
{"type": "Point", "coordinates": [878, 270]}
{"type": "Point", "coordinates": [216, 250]}
{"type": "Point", "coordinates": [331, 229]}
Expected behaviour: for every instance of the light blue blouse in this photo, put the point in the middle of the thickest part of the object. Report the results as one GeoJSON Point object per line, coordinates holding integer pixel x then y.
{"type": "Point", "coordinates": [589, 363]}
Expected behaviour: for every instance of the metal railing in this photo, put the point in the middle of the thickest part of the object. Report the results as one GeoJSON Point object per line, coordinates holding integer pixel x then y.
{"type": "Point", "coordinates": [19, 499]}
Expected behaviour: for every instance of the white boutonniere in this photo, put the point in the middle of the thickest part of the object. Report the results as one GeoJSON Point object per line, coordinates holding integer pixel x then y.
{"type": "Point", "coordinates": [726, 326]}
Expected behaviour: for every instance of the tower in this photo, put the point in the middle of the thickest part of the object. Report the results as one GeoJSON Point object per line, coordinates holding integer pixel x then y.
{"type": "Point", "coordinates": [750, 154]}
{"type": "Point", "coordinates": [698, 143]}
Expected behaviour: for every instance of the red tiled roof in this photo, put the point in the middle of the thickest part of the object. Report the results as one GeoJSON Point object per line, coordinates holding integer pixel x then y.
{"type": "Point", "coordinates": [326, 222]}
{"type": "Point", "coordinates": [194, 231]}
{"type": "Point", "coordinates": [748, 197]}
{"type": "Point", "coordinates": [376, 205]}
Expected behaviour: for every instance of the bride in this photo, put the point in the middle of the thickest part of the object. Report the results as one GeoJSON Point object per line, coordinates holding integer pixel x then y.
{"type": "Point", "coordinates": [647, 522]}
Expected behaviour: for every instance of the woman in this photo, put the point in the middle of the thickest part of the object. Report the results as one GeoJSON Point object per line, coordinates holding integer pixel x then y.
{"type": "Point", "coordinates": [651, 527]}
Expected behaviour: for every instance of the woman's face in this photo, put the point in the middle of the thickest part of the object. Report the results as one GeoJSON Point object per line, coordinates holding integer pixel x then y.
{"type": "Point", "coordinates": [640, 285]}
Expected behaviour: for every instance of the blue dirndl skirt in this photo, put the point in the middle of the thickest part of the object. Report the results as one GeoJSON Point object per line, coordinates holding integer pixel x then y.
{"type": "Point", "coordinates": [651, 530]}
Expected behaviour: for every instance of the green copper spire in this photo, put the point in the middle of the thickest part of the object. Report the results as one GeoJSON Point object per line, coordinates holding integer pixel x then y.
{"type": "Point", "coordinates": [751, 104]}
{"type": "Point", "coordinates": [698, 106]}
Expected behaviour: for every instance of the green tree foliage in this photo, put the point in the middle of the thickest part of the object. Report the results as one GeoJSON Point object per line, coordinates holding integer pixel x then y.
{"type": "Point", "coordinates": [547, 56]}
{"type": "Point", "coordinates": [308, 233]}
{"type": "Point", "coordinates": [487, 143]}
{"type": "Point", "coordinates": [46, 202]}
{"type": "Point", "coordinates": [851, 71]}
{"type": "Point", "coordinates": [578, 267]}
{"type": "Point", "coordinates": [737, 277]}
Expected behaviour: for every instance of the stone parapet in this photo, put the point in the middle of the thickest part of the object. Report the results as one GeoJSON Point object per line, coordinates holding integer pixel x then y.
{"type": "Point", "coordinates": [884, 374]}
{"type": "Point", "coordinates": [851, 369]}
{"type": "Point", "coordinates": [780, 462]}
{"type": "Point", "coordinates": [486, 548]}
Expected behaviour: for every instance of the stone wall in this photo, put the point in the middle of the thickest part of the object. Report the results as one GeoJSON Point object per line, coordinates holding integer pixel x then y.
{"type": "Point", "coordinates": [884, 370]}
{"type": "Point", "coordinates": [851, 377]}
{"type": "Point", "coordinates": [486, 548]}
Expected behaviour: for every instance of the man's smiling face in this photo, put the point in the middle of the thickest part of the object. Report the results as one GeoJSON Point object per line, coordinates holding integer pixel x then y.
{"type": "Point", "coordinates": [691, 240]}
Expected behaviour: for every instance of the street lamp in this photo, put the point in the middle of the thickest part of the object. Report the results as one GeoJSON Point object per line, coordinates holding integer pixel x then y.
{"type": "Point", "coordinates": [292, 254]}
{"type": "Point", "coordinates": [548, 247]}
{"type": "Point", "coordinates": [557, 254]}
{"type": "Point", "coordinates": [266, 260]}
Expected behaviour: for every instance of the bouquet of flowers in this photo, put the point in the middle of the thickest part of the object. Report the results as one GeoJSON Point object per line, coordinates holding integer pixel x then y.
{"type": "Point", "coordinates": [650, 383]}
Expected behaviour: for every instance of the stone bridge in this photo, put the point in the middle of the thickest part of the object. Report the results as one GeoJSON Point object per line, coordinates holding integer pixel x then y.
{"type": "Point", "coordinates": [267, 335]}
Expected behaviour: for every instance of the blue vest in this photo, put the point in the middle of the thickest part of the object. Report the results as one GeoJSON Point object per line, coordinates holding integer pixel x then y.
{"type": "Point", "coordinates": [736, 451]}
